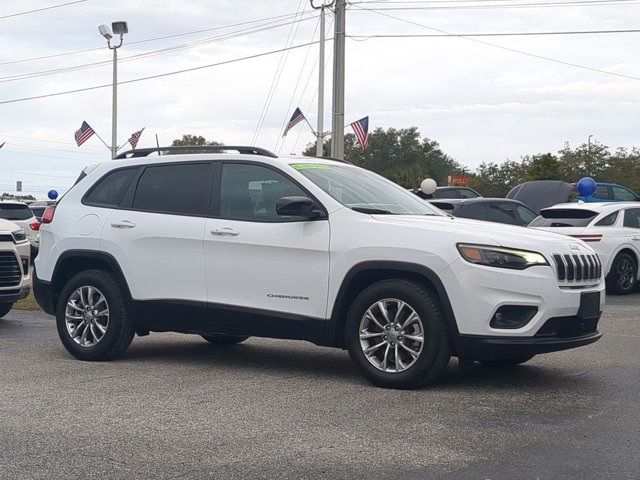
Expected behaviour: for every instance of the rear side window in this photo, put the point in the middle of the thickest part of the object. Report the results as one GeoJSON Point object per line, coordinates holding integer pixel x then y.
{"type": "Point", "coordinates": [10, 211]}
{"type": "Point", "coordinates": [632, 218]}
{"type": "Point", "coordinates": [110, 189]}
{"type": "Point", "coordinates": [183, 189]}
{"type": "Point", "coordinates": [476, 212]}
{"type": "Point", "coordinates": [623, 194]}
{"type": "Point", "coordinates": [608, 220]}
{"type": "Point", "coordinates": [564, 217]}
{"type": "Point", "coordinates": [467, 193]}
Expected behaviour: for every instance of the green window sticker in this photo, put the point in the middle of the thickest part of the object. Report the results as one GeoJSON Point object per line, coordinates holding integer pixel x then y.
{"type": "Point", "coordinates": [310, 166]}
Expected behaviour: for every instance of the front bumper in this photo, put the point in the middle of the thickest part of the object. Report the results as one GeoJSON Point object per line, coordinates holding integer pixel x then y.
{"type": "Point", "coordinates": [501, 348]}
{"type": "Point", "coordinates": [10, 296]}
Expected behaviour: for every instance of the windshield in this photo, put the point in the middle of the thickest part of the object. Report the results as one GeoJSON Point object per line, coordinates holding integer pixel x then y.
{"type": "Point", "coordinates": [10, 211]}
{"type": "Point", "coordinates": [364, 191]}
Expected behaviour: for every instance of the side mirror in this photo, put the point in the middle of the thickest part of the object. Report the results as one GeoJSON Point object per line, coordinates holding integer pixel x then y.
{"type": "Point", "coordinates": [297, 207]}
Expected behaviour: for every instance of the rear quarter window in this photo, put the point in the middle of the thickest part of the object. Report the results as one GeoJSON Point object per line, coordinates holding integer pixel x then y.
{"type": "Point", "coordinates": [109, 190]}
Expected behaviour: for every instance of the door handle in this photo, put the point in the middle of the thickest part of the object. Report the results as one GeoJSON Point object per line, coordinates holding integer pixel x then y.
{"type": "Point", "coordinates": [123, 224]}
{"type": "Point", "coordinates": [225, 232]}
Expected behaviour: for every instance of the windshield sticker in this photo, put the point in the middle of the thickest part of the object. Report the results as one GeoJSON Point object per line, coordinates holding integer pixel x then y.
{"type": "Point", "coordinates": [310, 166]}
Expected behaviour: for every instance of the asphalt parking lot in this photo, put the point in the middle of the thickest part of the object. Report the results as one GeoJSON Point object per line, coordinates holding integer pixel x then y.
{"type": "Point", "coordinates": [176, 407]}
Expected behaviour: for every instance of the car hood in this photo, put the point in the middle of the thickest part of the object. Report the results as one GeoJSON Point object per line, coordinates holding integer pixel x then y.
{"type": "Point", "coordinates": [488, 233]}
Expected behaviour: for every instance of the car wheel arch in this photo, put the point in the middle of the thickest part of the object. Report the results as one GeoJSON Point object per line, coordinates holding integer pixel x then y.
{"type": "Point", "coordinates": [364, 274]}
{"type": "Point", "coordinates": [73, 262]}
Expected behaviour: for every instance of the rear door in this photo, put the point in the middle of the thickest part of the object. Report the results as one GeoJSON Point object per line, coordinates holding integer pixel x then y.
{"type": "Point", "coordinates": [632, 228]}
{"type": "Point", "coordinates": [156, 232]}
{"type": "Point", "coordinates": [256, 259]}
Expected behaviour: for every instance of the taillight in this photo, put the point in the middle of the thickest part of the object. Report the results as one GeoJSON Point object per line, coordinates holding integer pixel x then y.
{"type": "Point", "coordinates": [589, 238]}
{"type": "Point", "coordinates": [47, 216]}
{"type": "Point", "coordinates": [35, 226]}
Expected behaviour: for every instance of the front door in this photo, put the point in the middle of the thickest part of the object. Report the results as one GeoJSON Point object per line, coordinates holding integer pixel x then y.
{"type": "Point", "coordinates": [258, 260]}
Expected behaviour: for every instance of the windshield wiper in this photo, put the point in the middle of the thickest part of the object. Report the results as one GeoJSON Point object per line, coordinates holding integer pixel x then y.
{"type": "Point", "coordinates": [372, 211]}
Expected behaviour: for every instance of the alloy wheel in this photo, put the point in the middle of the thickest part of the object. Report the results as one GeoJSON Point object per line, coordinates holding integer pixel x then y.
{"type": "Point", "coordinates": [626, 273]}
{"type": "Point", "coordinates": [87, 316]}
{"type": "Point", "coordinates": [391, 335]}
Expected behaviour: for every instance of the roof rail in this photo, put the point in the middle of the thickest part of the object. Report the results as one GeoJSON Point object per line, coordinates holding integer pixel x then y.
{"type": "Point", "coordinates": [144, 152]}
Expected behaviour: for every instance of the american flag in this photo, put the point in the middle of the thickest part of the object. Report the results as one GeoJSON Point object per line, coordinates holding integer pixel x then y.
{"type": "Point", "coordinates": [361, 128]}
{"type": "Point", "coordinates": [295, 119]}
{"type": "Point", "coordinates": [134, 138]}
{"type": "Point", "coordinates": [84, 133]}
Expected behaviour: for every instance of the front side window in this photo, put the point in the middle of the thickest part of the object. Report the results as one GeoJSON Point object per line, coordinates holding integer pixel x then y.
{"type": "Point", "coordinates": [364, 191]}
{"type": "Point", "coordinates": [15, 211]}
{"type": "Point", "coordinates": [623, 195]}
{"type": "Point", "coordinates": [632, 218]}
{"type": "Point", "coordinates": [250, 192]}
{"type": "Point", "coordinates": [527, 216]}
{"type": "Point", "coordinates": [602, 191]}
{"type": "Point", "coordinates": [110, 189]}
{"type": "Point", "coordinates": [183, 189]}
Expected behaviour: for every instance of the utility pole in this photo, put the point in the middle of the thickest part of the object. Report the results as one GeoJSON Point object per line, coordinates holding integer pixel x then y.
{"type": "Point", "coordinates": [589, 145]}
{"type": "Point", "coordinates": [320, 129]}
{"type": "Point", "coordinates": [337, 137]}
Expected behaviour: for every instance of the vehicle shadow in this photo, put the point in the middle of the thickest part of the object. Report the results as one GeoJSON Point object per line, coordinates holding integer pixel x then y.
{"type": "Point", "coordinates": [289, 358]}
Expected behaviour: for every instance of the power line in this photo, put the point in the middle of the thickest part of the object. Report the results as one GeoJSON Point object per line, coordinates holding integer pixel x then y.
{"type": "Point", "coordinates": [42, 9]}
{"type": "Point", "coordinates": [23, 172]}
{"type": "Point", "coordinates": [56, 149]}
{"type": "Point", "coordinates": [499, 34]}
{"type": "Point", "coordinates": [153, 39]}
{"type": "Point", "coordinates": [45, 140]}
{"type": "Point", "coordinates": [508, 49]}
{"type": "Point", "coordinates": [208, 40]}
{"type": "Point", "coordinates": [42, 155]}
{"type": "Point", "coordinates": [276, 79]}
{"type": "Point", "coordinates": [555, 4]}
{"type": "Point", "coordinates": [160, 75]}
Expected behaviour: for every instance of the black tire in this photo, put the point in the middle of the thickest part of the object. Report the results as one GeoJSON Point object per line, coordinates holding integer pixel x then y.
{"type": "Point", "coordinates": [436, 348]}
{"type": "Point", "coordinates": [119, 332]}
{"type": "Point", "coordinates": [623, 277]}
{"type": "Point", "coordinates": [5, 308]}
{"type": "Point", "coordinates": [506, 362]}
{"type": "Point", "coordinates": [221, 339]}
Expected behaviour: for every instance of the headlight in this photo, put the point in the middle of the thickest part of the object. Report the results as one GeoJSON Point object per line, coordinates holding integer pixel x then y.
{"type": "Point", "coordinates": [19, 236]}
{"type": "Point", "coordinates": [501, 257]}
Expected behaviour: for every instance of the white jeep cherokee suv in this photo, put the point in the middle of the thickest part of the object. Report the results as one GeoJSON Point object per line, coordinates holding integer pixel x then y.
{"type": "Point", "coordinates": [235, 245]}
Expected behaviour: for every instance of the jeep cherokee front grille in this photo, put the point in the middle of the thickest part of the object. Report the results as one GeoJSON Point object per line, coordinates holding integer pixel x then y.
{"type": "Point", "coordinates": [577, 268]}
{"type": "Point", "coordinates": [10, 272]}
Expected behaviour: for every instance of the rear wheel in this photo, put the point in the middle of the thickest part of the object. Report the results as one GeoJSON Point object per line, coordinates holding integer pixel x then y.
{"type": "Point", "coordinates": [396, 334]}
{"type": "Point", "coordinates": [221, 339]}
{"type": "Point", "coordinates": [623, 277]}
{"type": "Point", "coordinates": [5, 308]}
{"type": "Point", "coordinates": [92, 318]}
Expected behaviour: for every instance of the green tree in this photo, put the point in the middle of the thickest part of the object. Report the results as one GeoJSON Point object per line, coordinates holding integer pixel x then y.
{"type": "Point", "coordinates": [192, 140]}
{"type": "Point", "coordinates": [542, 167]}
{"type": "Point", "coordinates": [401, 155]}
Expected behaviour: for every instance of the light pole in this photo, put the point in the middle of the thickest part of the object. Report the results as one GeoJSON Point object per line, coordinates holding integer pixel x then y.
{"type": "Point", "coordinates": [320, 129]}
{"type": "Point", "coordinates": [589, 145]}
{"type": "Point", "coordinates": [117, 28]}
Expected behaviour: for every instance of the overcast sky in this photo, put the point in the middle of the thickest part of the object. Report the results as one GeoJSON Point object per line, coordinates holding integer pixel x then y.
{"type": "Point", "coordinates": [479, 102]}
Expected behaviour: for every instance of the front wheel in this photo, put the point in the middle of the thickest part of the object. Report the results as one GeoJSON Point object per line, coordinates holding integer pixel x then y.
{"type": "Point", "coordinates": [92, 319]}
{"type": "Point", "coordinates": [623, 277]}
{"type": "Point", "coordinates": [397, 335]}
{"type": "Point", "coordinates": [5, 308]}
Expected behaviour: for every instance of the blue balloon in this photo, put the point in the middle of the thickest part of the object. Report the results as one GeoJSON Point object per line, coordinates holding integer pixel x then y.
{"type": "Point", "coordinates": [52, 194]}
{"type": "Point", "coordinates": [587, 186]}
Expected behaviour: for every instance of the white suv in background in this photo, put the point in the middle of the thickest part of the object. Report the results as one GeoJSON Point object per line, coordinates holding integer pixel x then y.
{"type": "Point", "coordinates": [612, 229]}
{"type": "Point", "coordinates": [234, 245]}
{"type": "Point", "coordinates": [15, 278]}
{"type": "Point", "coordinates": [20, 214]}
